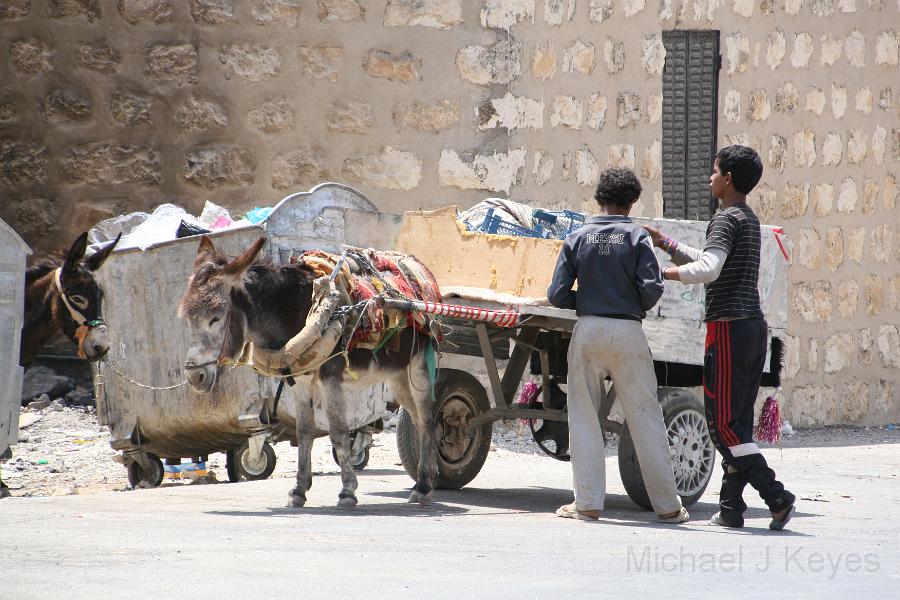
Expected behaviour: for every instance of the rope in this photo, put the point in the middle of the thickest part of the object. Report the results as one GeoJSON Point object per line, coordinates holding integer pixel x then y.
{"type": "Point", "coordinates": [139, 384]}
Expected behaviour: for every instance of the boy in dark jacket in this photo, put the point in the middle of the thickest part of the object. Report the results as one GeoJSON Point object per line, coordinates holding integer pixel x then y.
{"type": "Point", "coordinates": [736, 334]}
{"type": "Point", "coordinates": [619, 279]}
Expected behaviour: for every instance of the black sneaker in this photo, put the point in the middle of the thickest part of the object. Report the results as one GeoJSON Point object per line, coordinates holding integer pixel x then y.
{"type": "Point", "coordinates": [727, 520]}
{"type": "Point", "coordinates": [782, 512]}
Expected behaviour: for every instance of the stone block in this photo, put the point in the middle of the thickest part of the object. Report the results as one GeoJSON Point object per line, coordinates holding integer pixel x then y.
{"type": "Point", "coordinates": [427, 117]}
{"type": "Point", "coordinates": [808, 248]}
{"type": "Point", "coordinates": [600, 10]}
{"type": "Point", "coordinates": [494, 172]}
{"type": "Point", "coordinates": [285, 13]}
{"type": "Point", "coordinates": [567, 166]}
{"type": "Point", "coordinates": [804, 148]}
{"type": "Point", "coordinates": [653, 57]}
{"type": "Point", "coordinates": [758, 108]}
{"type": "Point", "coordinates": [597, 107]}
{"type": "Point", "coordinates": [109, 163]}
{"type": "Point", "coordinates": [99, 56]}
{"type": "Point", "coordinates": [145, 11]}
{"type": "Point", "coordinates": [833, 252]}
{"type": "Point", "coordinates": [870, 196]}
{"type": "Point", "coordinates": [350, 116]}
{"type": "Point", "coordinates": [620, 155]}
{"type": "Point", "coordinates": [856, 243]}
{"type": "Point", "coordinates": [566, 111]}
{"type": "Point", "coordinates": [652, 166]}
{"type": "Point", "coordinates": [249, 62]}
{"type": "Point", "coordinates": [60, 9]}
{"type": "Point", "coordinates": [893, 293]}
{"type": "Point", "coordinates": [895, 144]}
{"type": "Point", "coordinates": [212, 12]}
{"type": "Point", "coordinates": [838, 100]}
{"type": "Point", "coordinates": [511, 112]}
{"type": "Point", "coordinates": [321, 62]}
{"type": "Point", "coordinates": [557, 12]}
{"type": "Point", "coordinates": [812, 300]}
{"type": "Point", "coordinates": [30, 56]}
{"type": "Point", "coordinates": [866, 346]}
{"type": "Point", "coordinates": [578, 58]}
{"type": "Point", "coordinates": [341, 10]}
{"type": "Point", "coordinates": [765, 202]}
{"type": "Point", "coordinates": [503, 14]}
{"type": "Point", "coordinates": [614, 56]}
{"type": "Point", "coordinates": [881, 243]}
{"type": "Point", "coordinates": [214, 166]}
{"type": "Point", "coordinates": [864, 100]}
{"type": "Point", "coordinates": [743, 8]}
{"type": "Point", "coordinates": [587, 170]}
{"type": "Point", "coordinates": [889, 197]}
{"type": "Point", "coordinates": [438, 14]}
{"type": "Point", "coordinates": [855, 49]}
{"type": "Point", "coordinates": [543, 167]}
{"type": "Point", "coordinates": [499, 64]}
{"type": "Point", "coordinates": [831, 49]}
{"type": "Point", "coordinates": [35, 217]}
{"type": "Point", "coordinates": [543, 63]}
{"type": "Point", "coordinates": [787, 99]}
{"type": "Point", "coordinates": [847, 197]}
{"type": "Point", "coordinates": [10, 103]}
{"type": "Point", "coordinates": [840, 350]}
{"type": "Point", "coordinates": [802, 50]}
{"type": "Point", "coordinates": [822, 8]}
{"type": "Point", "coordinates": [67, 105]}
{"type": "Point", "coordinates": [654, 108]}
{"type": "Point", "coordinates": [847, 298]}
{"type": "Point", "coordinates": [792, 7]}
{"type": "Point", "coordinates": [856, 146]}
{"type": "Point", "coordinates": [815, 101]}
{"type": "Point", "coordinates": [632, 7]}
{"type": "Point", "coordinates": [874, 294]}
{"type": "Point", "coordinates": [272, 116]}
{"type": "Point", "coordinates": [15, 9]}
{"type": "Point", "coordinates": [854, 401]}
{"type": "Point", "coordinates": [777, 152]}
{"type": "Point", "coordinates": [822, 197]}
{"type": "Point", "coordinates": [298, 169]}
{"type": "Point", "coordinates": [776, 46]}
{"type": "Point", "coordinates": [22, 162]}
{"type": "Point", "coordinates": [879, 144]}
{"type": "Point", "coordinates": [814, 406]}
{"type": "Point", "coordinates": [172, 62]}
{"type": "Point", "coordinates": [737, 53]}
{"type": "Point", "coordinates": [628, 110]}
{"type": "Point", "coordinates": [129, 109]}
{"type": "Point", "coordinates": [885, 100]}
{"type": "Point", "coordinates": [889, 346]}
{"type": "Point", "coordinates": [791, 356]}
{"type": "Point", "coordinates": [832, 149]}
{"type": "Point", "coordinates": [199, 113]}
{"type": "Point", "coordinates": [887, 49]}
{"type": "Point", "coordinates": [794, 200]}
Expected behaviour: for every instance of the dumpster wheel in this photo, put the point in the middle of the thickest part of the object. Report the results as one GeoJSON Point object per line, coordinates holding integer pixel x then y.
{"type": "Point", "coordinates": [140, 479]}
{"type": "Point", "coordinates": [240, 465]}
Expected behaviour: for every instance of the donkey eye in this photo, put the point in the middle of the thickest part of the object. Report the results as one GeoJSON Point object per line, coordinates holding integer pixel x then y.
{"type": "Point", "coordinates": [79, 301]}
{"type": "Point", "coordinates": [213, 321]}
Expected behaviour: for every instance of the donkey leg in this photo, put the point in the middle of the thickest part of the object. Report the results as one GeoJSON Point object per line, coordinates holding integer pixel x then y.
{"type": "Point", "coordinates": [412, 390]}
{"type": "Point", "coordinates": [306, 429]}
{"type": "Point", "coordinates": [339, 432]}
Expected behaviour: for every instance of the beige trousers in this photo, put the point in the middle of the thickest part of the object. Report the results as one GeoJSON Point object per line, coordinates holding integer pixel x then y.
{"type": "Point", "coordinates": [617, 348]}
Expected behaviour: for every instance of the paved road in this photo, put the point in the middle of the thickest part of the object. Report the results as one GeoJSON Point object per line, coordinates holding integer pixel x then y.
{"type": "Point", "coordinates": [497, 538]}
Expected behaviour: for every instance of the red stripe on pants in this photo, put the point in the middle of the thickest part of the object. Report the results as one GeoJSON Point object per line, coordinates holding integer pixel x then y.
{"type": "Point", "coordinates": [728, 435]}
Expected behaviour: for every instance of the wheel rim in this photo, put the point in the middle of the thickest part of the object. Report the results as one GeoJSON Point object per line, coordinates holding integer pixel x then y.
{"type": "Point", "coordinates": [253, 468]}
{"type": "Point", "coordinates": [453, 417]}
{"type": "Point", "coordinates": [691, 450]}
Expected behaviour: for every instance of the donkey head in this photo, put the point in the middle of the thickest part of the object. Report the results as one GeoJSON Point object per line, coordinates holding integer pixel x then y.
{"type": "Point", "coordinates": [77, 306]}
{"type": "Point", "coordinates": [217, 327]}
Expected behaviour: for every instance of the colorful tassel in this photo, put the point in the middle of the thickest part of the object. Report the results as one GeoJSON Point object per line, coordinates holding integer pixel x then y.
{"type": "Point", "coordinates": [528, 394]}
{"type": "Point", "coordinates": [768, 427]}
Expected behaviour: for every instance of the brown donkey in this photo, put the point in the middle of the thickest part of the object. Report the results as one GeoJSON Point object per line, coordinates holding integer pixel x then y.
{"type": "Point", "coordinates": [228, 303]}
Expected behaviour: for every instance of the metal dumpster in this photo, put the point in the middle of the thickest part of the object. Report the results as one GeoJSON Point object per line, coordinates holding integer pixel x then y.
{"type": "Point", "coordinates": [13, 252]}
{"type": "Point", "coordinates": [150, 419]}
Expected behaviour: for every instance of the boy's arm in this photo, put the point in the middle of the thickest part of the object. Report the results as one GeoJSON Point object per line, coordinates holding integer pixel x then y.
{"type": "Point", "coordinates": [680, 253]}
{"type": "Point", "coordinates": [649, 278]}
{"type": "Point", "coordinates": [560, 293]}
{"type": "Point", "coordinates": [694, 266]}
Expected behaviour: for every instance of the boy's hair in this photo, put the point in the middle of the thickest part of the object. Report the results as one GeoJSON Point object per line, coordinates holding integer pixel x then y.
{"type": "Point", "coordinates": [618, 186]}
{"type": "Point", "coordinates": [744, 164]}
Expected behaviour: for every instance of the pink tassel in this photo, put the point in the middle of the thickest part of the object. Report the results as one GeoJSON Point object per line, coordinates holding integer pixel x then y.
{"type": "Point", "coordinates": [529, 392]}
{"type": "Point", "coordinates": [768, 427]}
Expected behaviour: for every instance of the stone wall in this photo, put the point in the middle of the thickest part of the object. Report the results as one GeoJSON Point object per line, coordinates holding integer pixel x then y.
{"type": "Point", "coordinates": [108, 107]}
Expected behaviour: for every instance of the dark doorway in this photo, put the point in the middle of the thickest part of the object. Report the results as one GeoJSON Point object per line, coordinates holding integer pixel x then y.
{"type": "Point", "coordinates": [689, 122]}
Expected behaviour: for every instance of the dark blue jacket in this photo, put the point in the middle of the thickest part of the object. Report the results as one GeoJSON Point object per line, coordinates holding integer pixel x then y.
{"type": "Point", "coordinates": [617, 272]}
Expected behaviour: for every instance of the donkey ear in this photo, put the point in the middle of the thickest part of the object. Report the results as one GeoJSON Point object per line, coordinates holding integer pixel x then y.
{"type": "Point", "coordinates": [96, 260]}
{"type": "Point", "coordinates": [76, 253]}
{"type": "Point", "coordinates": [237, 266]}
{"type": "Point", "coordinates": [206, 252]}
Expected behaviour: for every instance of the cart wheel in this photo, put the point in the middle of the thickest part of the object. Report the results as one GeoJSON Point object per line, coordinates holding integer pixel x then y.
{"type": "Point", "coordinates": [231, 467]}
{"type": "Point", "coordinates": [360, 458]}
{"type": "Point", "coordinates": [138, 478]}
{"type": "Point", "coordinates": [254, 471]}
{"type": "Point", "coordinates": [460, 398]}
{"type": "Point", "coordinates": [690, 447]}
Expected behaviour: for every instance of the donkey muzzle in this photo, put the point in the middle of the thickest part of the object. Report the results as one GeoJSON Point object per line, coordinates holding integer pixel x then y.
{"type": "Point", "coordinates": [96, 343]}
{"type": "Point", "coordinates": [201, 377]}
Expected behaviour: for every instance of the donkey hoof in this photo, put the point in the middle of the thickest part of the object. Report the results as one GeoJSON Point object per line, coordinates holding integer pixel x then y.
{"type": "Point", "coordinates": [417, 497]}
{"type": "Point", "coordinates": [347, 503]}
{"type": "Point", "coordinates": [295, 499]}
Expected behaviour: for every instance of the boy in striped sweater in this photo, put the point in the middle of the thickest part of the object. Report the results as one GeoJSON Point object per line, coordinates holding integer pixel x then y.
{"type": "Point", "coordinates": [736, 334]}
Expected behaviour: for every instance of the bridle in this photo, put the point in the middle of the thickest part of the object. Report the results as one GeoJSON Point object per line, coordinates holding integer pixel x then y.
{"type": "Point", "coordinates": [220, 359]}
{"type": "Point", "coordinates": [76, 315]}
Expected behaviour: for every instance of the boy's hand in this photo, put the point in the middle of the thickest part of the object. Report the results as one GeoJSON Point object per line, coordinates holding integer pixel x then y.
{"type": "Point", "coordinates": [655, 234]}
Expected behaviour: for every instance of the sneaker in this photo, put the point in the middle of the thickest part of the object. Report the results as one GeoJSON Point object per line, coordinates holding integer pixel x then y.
{"type": "Point", "coordinates": [681, 516]}
{"type": "Point", "coordinates": [729, 521]}
{"type": "Point", "coordinates": [781, 518]}
{"type": "Point", "coordinates": [568, 511]}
